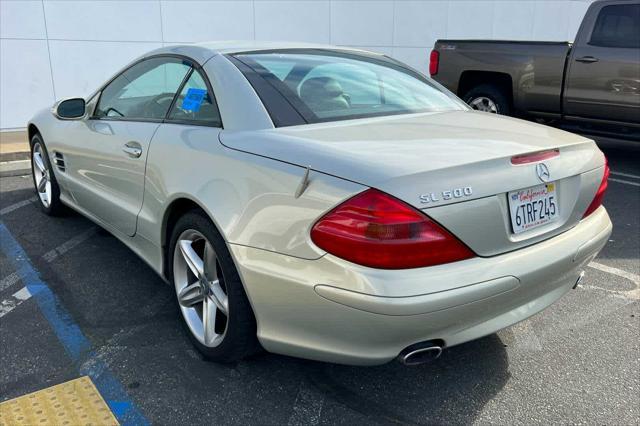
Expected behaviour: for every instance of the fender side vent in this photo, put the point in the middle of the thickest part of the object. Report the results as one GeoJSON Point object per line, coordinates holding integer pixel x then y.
{"type": "Point", "coordinates": [58, 158]}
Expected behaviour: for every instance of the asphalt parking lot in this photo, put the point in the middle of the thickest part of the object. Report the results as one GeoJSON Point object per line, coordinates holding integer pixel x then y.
{"type": "Point", "coordinates": [95, 309]}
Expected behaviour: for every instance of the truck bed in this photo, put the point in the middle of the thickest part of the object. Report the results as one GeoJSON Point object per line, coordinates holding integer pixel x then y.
{"type": "Point", "coordinates": [532, 70]}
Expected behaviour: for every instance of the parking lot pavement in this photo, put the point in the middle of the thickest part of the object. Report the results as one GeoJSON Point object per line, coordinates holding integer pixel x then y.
{"type": "Point", "coordinates": [91, 307]}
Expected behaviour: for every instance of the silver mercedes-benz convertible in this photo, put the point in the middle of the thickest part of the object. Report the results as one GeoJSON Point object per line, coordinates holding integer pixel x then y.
{"type": "Point", "coordinates": [324, 202]}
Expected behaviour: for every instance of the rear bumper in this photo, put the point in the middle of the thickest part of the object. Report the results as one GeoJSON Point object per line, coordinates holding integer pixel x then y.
{"type": "Point", "coordinates": [331, 310]}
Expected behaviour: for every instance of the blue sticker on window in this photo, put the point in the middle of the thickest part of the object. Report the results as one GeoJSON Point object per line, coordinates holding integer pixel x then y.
{"type": "Point", "coordinates": [193, 99]}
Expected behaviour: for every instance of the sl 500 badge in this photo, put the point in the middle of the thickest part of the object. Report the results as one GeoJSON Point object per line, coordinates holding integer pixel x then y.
{"type": "Point", "coordinates": [446, 195]}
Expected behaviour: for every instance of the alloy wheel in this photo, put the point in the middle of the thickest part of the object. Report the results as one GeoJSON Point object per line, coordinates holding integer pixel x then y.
{"type": "Point", "coordinates": [482, 103]}
{"type": "Point", "coordinates": [42, 174]}
{"type": "Point", "coordinates": [200, 288]}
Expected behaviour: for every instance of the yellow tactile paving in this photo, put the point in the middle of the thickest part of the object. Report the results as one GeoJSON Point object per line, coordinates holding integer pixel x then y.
{"type": "Point", "coordinates": [73, 403]}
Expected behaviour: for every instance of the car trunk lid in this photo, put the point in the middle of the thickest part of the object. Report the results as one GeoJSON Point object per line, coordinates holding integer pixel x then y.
{"type": "Point", "coordinates": [422, 158]}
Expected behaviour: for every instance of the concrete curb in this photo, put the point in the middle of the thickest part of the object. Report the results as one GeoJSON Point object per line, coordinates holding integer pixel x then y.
{"type": "Point", "coordinates": [15, 164]}
{"type": "Point", "coordinates": [14, 156]}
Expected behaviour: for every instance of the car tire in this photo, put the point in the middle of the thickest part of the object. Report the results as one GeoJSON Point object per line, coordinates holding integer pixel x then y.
{"type": "Point", "coordinates": [236, 338]}
{"type": "Point", "coordinates": [488, 98]}
{"type": "Point", "coordinates": [44, 178]}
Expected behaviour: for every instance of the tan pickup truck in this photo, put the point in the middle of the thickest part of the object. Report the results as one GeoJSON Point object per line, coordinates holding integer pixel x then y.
{"type": "Point", "coordinates": [591, 85]}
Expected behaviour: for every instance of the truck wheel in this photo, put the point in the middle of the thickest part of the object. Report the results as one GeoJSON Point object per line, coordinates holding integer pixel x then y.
{"type": "Point", "coordinates": [488, 98]}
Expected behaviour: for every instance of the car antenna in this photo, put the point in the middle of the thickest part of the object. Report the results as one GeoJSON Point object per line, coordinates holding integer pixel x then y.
{"type": "Point", "coordinates": [304, 183]}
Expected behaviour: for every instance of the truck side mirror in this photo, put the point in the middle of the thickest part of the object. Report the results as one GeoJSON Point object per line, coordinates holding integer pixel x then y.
{"type": "Point", "coordinates": [70, 109]}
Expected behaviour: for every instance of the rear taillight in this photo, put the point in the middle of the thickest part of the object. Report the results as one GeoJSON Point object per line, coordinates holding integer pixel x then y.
{"type": "Point", "coordinates": [597, 200]}
{"type": "Point", "coordinates": [377, 230]}
{"type": "Point", "coordinates": [434, 62]}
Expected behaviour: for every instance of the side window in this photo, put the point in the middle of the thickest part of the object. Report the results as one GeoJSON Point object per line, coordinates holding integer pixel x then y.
{"type": "Point", "coordinates": [195, 103]}
{"type": "Point", "coordinates": [144, 91]}
{"type": "Point", "coordinates": [617, 26]}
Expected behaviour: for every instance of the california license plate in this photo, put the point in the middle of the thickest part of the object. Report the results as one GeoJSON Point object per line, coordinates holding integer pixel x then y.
{"type": "Point", "coordinates": [533, 207]}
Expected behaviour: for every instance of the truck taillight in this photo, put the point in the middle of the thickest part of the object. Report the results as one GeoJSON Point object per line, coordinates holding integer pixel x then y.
{"type": "Point", "coordinates": [597, 200]}
{"type": "Point", "coordinates": [377, 230]}
{"type": "Point", "coordinates": [434, 62]}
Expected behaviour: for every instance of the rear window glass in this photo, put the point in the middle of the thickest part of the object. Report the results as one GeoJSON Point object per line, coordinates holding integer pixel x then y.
{"type": "Point", "coordinates": [328, 86]}
{"type": "Point", "coordinates": [280, 69]}
{"type": "Point", "coordinates": [617, 26]}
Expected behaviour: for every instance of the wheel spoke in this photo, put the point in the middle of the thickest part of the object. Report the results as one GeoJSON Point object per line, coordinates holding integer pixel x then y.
{"type": "Point", "coordinates": [209, 311]}
{"type": "Point", "coordinates": [218, 296]}
{"type": "Point", "coordinates": [191, 295]}
{"type": "Point", "coordinates": [203, 300]}
{"type": "Point", "coordinates": [484, 104]}
{"type": "Point", "coordinates": [42, 185]}
{"type": "Point", "coordinates": [210, 263]}
{"type": "Point", "coordinates": [192, 259]}
{"type": "Point", "coordinates": [37, 159]}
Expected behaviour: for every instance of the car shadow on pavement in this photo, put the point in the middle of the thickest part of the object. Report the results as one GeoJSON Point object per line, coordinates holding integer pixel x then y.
{"type": "Point", "coordinates": [452, 389]}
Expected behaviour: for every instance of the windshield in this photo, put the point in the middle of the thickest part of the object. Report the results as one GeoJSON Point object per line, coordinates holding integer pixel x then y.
{"type": "Point", "coordinates": [331, 85]}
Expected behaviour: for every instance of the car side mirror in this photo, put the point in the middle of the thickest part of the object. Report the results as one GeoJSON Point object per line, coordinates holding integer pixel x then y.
{"type": "Point", "coordinates": [70, 109]}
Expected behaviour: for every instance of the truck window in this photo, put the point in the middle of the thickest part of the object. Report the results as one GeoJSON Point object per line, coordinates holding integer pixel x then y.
{"type": "Point", "coordinates": [617, 26]}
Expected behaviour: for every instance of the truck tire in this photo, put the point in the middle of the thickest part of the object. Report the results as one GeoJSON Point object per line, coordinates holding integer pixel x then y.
{"type": "Point", "coordinates": [488, 98]}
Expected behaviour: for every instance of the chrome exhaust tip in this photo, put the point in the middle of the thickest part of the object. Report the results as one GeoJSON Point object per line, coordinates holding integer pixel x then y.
{"type": "Point", "coordinates": [420, 354]}
{"type": "Point", "coordinates": [579, 280]}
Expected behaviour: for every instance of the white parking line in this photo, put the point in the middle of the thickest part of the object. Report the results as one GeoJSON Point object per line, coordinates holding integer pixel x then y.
{"type": "Point", "coordinates": [615, 271]}
{"type": "Point", "coordinates": [625, 175]}
{"type": "Point", "coordinates": [68, 245]}
{"type": "Point", "coordinates": [626, 182]}
{"type": "Point", "coordinates": [23, 294]}
{"type": "Point", "coordinates": [525, 337]}
{"type": "Point", "coordinates": [12, 166]}
{"type": "Point", "coordinates": [9, 280]}
{"type": "Point", "coordinates": [16, 300]}
{"type": "Point", "coordinates": [99, 359]}
{"type": "Point", "coordinates": [17, 205]}
{"type": "Point", "coordinates": [628, 294]}
{"type": "Point", "coordinates": [307, 407]}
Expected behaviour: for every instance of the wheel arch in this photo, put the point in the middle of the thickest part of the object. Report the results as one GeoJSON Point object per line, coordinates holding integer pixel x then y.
{"type": "Point", "coordinates": [32, 130]}
{"type": "Point", "coordinates": [471, 79]}
{"type": "Point", "coordinates": [174, 211]}
{"type": "Point", "coordinates": [178, 207]}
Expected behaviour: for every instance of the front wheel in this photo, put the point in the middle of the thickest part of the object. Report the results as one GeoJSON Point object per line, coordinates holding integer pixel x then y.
{"type": "Point", "coordinates": [488, 98]}
{"type": "Point", "coordinates": [215, 309]}
{"type": "Point", "coordinates": [44, 179]}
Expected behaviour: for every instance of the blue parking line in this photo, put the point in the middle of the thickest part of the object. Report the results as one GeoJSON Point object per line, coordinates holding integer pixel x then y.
{"type": "Point", "coordinates": [73, 340]}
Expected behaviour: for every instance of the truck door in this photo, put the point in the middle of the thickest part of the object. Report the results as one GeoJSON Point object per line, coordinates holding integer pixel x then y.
{"type": "Point", "coordinates": [603, 76]}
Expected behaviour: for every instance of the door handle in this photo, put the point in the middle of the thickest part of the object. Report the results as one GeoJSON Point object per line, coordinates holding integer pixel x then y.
{"type": "Point", "coordinates": [132, 149]}
{"type": "Point", "coordinates": [587, 59]}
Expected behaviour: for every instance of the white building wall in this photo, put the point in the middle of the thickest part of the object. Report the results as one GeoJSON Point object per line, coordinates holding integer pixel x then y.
{"type": "Point", "coordinates": [55, 49]}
